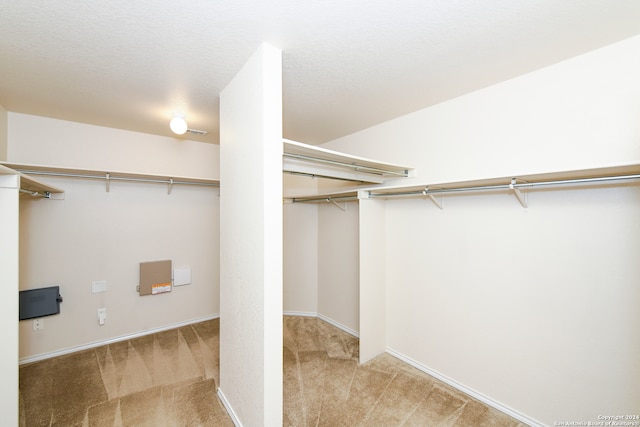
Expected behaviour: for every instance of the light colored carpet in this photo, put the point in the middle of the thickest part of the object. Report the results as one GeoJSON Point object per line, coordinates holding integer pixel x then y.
{"type": "Point", "coordinates": [170, 379]}
{"type": "Point", "coordinates": [325, 386]}
{"type": "Point", "coordinates": [165, 379]}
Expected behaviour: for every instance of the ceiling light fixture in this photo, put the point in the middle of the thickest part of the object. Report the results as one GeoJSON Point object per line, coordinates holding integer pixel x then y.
{"type": "Point", "coordinates": [178, 125]}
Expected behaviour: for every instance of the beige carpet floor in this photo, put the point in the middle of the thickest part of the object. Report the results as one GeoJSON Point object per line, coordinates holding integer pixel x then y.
{"type": "Point", "coordinates": [170, 379]}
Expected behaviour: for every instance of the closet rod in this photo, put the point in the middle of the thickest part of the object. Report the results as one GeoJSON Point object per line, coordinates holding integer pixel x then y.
{"type": "Point", "coordinates": [595, 180]}
{"type": "Point", "coordinates": [315, 175]}
{"type": "Point", "coordinates": [579, 180]}
{"type": "Point", "coordinates": [353, 166]}
{"type": "Point", "coordinates": [324, 199]}
{"type": "Point", "coordinates": [117, 178]}
{"type": "Point", "coordinates": [508, 186]}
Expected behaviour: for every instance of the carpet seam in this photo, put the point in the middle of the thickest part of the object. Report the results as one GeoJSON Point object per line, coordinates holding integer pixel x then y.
{"type": "Point", "coordinates": [373, 407]}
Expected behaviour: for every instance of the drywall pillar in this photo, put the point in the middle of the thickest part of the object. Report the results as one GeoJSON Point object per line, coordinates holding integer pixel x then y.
{"type": "Point", "coordinates": [372, 277]}
{"type": "Point", "coordinates": [9, 215]}
{"type": "Point", "coordinates": [251, 241]}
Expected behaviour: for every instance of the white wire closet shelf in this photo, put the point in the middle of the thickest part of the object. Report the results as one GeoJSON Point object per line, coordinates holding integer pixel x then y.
{"type": "Point", "coordinates": [309, 160]}
{"type": "Point", "coordinates": [109, 176]}
{"type": "Point", "coordinates": [30, 186]}
{"type": "Point", "coordinates": [298, 159]}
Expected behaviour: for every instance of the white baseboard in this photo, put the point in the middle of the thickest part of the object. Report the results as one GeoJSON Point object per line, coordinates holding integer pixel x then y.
{"type": "Point", "coordinates": [94, 344]}
{"type": "Point", "coordinates": [466, 390]}
{"type": "Point", "coordinates": [300, 313]}
{"type": "Point", "coordinates": [230, 411]}
{"type": "Point", "coordinates": [338, 325]}
{"type": "Point", "coordinates": [325, 318]}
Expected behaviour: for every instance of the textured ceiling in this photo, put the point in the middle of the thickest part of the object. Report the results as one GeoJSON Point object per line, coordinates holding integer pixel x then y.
{"type": "Point", "coordinates": [347, 64]}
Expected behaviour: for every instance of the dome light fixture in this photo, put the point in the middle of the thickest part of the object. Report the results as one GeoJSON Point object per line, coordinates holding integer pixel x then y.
{"type": "Point", "coordinates": [178, 125]}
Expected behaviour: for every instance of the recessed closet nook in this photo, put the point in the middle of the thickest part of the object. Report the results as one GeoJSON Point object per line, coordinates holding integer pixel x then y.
{"type": "Point", "coordinates": [491, 241]}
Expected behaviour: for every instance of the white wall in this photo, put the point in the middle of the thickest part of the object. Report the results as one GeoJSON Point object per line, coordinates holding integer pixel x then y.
{"type": "Point", "coordinates": [577, 114]}
{"type": "Point", "coordinates": [535, 309]}
{"type": "Point", "coordinates": [300, 258]}
{"type": "Point", "coordinates": [44, 141]}
{"type": "Point", "coordinates": [338, 278]}
{"type": "Point", "coordinates": [97, 235]}
{"type": "Point", "coordinates": [531, 307]}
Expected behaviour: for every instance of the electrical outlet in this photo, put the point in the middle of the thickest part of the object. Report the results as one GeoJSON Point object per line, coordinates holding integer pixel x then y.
{"type": "Point", "coordinates": [102, 315]}
{"type": "Point", "coordinates": [38, 324]}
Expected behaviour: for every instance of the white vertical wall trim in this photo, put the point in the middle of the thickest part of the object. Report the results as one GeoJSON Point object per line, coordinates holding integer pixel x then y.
{"type": "Point", "coordinates": [372, 277]}
{"type": "Point", "coordinates": [273, 234]}
{"type": "Point", "coordinates": [9, 228]}
{"type": "Point", "coordinates": [251, 240]}
{"type": "Point", "coordinates": [4, 132]}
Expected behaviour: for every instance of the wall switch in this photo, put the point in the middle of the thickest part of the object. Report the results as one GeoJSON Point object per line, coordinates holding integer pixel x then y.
{"type": "Point", "coordinates": [102, 315]}
{"type": "Point", "coordinates": [38, 324]}
{"type": "Point", "coordinates": [98, 286]}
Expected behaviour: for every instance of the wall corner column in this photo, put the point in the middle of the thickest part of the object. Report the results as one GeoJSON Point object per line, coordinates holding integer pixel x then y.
{"type": "Point", "coordinates": [9, 230]}
{"type": "Point", "coordinates": [251, 241]}
{"type": "Point", "coordinates": [372, 276]}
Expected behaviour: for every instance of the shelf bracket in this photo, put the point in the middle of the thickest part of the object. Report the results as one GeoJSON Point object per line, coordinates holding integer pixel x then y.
{"type": "Point", "coordinates": [522, 198]}
{"type": "Point", "coordinates": [343, 207]}
{"type": "Point", "coordinates": [432, 197]}
{"type": "Point", "coordinates": [170, 186]}
{"type": "Point", "coordinates": [107, 177]}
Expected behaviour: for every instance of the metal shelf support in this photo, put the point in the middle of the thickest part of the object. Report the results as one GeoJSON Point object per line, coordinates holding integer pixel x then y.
{"type": "Point", "coordinates": [522, 198]}
{"type": "Point", "coordinates": [432, 197]}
